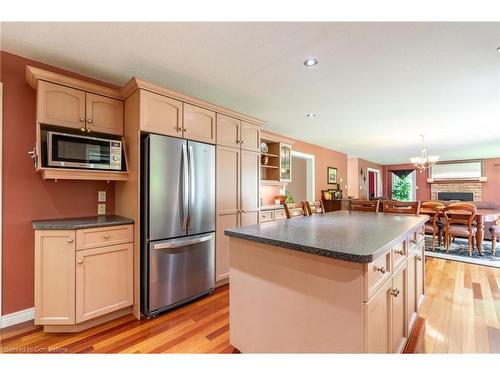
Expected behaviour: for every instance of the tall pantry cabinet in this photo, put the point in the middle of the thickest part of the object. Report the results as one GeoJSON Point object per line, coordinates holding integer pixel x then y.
{"type": "Point", "coordinates": [237, 185]}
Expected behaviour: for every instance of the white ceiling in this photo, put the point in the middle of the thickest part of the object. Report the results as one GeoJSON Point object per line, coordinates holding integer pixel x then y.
{"type": "Point", "coordinates": [376, 88]}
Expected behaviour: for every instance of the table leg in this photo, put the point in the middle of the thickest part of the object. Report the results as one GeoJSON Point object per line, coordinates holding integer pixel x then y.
{"type": "Point", "coordinates": [480, 234]}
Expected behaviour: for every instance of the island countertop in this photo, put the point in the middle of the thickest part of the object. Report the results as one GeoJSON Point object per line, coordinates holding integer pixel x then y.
{"type": "Point", "coordinates": [358, 237]}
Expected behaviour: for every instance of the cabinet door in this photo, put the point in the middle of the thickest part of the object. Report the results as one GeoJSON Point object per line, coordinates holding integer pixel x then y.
{"type": "Point", "coordinates": [378, 317]}
{"type": "Point", "coordinates": [250, 181]}
{"type": "Point", "coordinates": [285, 163]}
{"type": "Point", "coordinates": [250, 137]}
{"type": "Point", "coordinates": [222, 245]}
{"type": "Point", "coordinates": [55, 277]}
{"type": "Point", "coordinates": [228, 180]}
{"type": "Point", "coordinates": [160, 114]}
{"type": "Point", "coordinates": [249, 218]}
{"type": "Point", "coordinates": [104, 115]}
{"type": "Point", "coordinates": [399, 315]}
{"type": "Point", "coordinates": [412, 289]}
{"type": "Point", "coordinates": [419, 275]}
{"type": "Point", "coordinates": [60, 105]}
{"type": "Point", "coordinates": [104, 280]}
{"type": "Point", "coordinates": [228, 131]}
{"type": "Point", "coordinates": [199, 124]}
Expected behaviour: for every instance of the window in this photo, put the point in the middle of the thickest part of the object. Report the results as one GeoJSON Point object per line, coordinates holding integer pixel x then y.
{"type": "Point", "coordinates": [403, 186]}
{"type": "Point", "coordinates": [456, 171]}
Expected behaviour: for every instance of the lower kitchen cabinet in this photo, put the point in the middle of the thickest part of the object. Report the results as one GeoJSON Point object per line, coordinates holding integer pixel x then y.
{"type": "Point", "coordinates": [415, 283]}
{"type": "Point", "coordinates": [74, 284]}
{"type": "Point", "coordinates": [378, 319]}
{"type": "Point", "coordinates": [103, 280]}
{"type": "Point", "coordinates": [224, 221]}
{"type": "Point", "coordinates": [399, 316]}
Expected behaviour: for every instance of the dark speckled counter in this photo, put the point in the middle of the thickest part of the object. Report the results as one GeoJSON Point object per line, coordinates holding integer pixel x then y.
{"type": "Point", "coordinates": [81, 222]}
{"type": "Point", "coordinates": [351, 236]}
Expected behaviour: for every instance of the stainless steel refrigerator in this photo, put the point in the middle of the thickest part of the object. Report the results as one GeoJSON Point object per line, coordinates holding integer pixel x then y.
{"type": "Point", "coordinates": [178, 222]}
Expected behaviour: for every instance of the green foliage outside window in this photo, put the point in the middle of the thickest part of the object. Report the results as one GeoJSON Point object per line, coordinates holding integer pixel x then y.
{"type": "Point", "coordinates": [401, 188]}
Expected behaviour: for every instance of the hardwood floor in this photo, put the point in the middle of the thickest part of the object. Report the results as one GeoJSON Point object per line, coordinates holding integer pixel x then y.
{"type": "Point", "coordinates": [460, 314]}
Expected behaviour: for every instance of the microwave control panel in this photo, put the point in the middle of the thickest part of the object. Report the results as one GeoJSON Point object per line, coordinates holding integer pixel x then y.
{"type": "Point", "coordinates": [115, 159]}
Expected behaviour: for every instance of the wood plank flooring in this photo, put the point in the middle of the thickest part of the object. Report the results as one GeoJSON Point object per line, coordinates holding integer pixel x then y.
{"type": "Point", "coordinates": [460, 314]}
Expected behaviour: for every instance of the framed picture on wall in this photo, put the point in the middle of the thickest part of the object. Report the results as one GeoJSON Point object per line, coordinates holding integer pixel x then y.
{"type": "Point", "coordinates": [332, 175]}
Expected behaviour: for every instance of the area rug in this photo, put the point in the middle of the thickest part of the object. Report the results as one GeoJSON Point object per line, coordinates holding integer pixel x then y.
{"type": "Point", "coordinates": [459, 252]}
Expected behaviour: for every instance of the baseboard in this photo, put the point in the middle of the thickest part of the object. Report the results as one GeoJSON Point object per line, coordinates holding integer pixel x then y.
{"type": "Point", "coordinates": [17, 317]}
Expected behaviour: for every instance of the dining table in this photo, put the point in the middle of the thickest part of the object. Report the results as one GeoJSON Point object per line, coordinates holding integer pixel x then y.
{"type": "Point", "coordinates": [483, 215]}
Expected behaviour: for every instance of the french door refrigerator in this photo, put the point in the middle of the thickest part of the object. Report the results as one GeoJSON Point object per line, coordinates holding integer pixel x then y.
{"type": "Point", "coordinates": [178, 222]}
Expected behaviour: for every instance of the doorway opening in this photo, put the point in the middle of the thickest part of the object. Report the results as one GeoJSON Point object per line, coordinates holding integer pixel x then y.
{"type": "Point", "coordinates": [374, 183]}
{"type": "Point", "coordinates": [302, 185]}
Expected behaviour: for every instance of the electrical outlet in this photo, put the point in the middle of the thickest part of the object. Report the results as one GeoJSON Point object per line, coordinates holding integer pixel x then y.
{"type": "Point", "coordinates": [101, 209]}
{"type": "Point", "coordinates": [101, 196]}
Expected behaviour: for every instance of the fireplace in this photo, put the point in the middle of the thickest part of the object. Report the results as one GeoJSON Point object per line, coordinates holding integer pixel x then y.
{"type": "Point", "coordinates": [458, 196]}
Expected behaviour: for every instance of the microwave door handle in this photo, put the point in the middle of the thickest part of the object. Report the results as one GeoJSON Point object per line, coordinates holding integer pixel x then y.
{"type": "Point", "coordinates": [191, 182]}
{"type": "Point", "coordinates": [185, 188]}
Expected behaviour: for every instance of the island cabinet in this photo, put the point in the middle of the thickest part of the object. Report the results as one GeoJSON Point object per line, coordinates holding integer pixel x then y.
{"type": "Point", "coordinates": [291, 291]}
{"type": "Point", "coordinates": [82, 276]}
{"type": "Point", "coordinates": [73, 108]}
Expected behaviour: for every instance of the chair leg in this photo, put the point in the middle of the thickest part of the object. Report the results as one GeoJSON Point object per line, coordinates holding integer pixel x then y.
{"type": "Point", "coordinates": [493, 244]}
{"type": "Point", "coordinates": [447, 242]}
{"type": "Point", "coordinates": [469, 243]}
{"type": "Point", "coordinates": [433, 240]}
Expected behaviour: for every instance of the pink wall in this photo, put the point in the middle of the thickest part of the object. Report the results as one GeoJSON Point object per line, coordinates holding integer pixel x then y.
{"type": "Point", "coordinates": [26, 196]}
{"type": "Point", "coordinates": [358, 186]}
{"type": "Point", "coordinates": [298, 186]}
{"type": "Point", "coordinates": [324, 158]}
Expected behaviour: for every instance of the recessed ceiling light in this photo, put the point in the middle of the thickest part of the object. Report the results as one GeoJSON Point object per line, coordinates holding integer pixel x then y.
{"type": "Point", "coordinates": [311, 61]}
{"type": "Point", "coordinates": [311, 114]}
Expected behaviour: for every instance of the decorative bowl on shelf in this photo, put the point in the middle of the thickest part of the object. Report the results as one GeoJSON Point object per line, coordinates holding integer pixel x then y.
{"type": "Point", "coordinates": [264, 159]}
{"type": "Point", "coordinates": [264, 148]}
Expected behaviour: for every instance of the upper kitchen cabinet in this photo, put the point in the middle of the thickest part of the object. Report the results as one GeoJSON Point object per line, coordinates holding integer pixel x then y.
{"type": "Point", "coordinates": [199, 124]}
{"type": "Point", "coordinates": [104, 115]}
{"type": "Point", "coordinates": [160, 114]}
{"type": "Point", "coordinates": [285, 162]}
{"type": "Point", "coordinates": [60, 105]}
{"type": "Point", "coordinates": [71, 103]}
{"type": "Point", "coordinates": [250, 137]}
{"type": "Point", "coordinates": [228, 131]}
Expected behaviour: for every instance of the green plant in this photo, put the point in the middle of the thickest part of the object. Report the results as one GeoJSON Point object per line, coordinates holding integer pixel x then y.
{"type": "Point", "coordinates": [401, 189]}
{"type": "Point", "coordinates": [289, 197]}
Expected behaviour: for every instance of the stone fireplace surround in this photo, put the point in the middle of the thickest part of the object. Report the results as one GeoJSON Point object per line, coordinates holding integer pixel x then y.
{"type": "Point", "coordinates": [457, 187]}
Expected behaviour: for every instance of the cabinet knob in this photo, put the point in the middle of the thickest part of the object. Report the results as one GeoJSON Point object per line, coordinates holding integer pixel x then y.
{"type": "Point", "coordinates": [413, 241]}
{"type": "Point", "coordinates": [89, 121]}
{"type": "Point", "coordinates": [82, 119]}
{"type": "Point", "coordinates": [419, 258]}
{"type": "Point", "coordinates": [400, 252]}
{"type": "Point", "coordinates": [395, 292]}
{"type": "Point", "coordinates": [242, 141]}
{"type": "Point", "coordinates": [70, 240]}
{"type": "Point", "coordinates": [184, 130]}
{"type": "Point", "coordinates": [82, 129]}
{"type": "Point", "coordinates": [237, 141]}
{"type": "Point", "coordinates": [80, 261]}
{"type": "Point", "coordinates": [88, 130]}
{"type": "Point", "coordinates": [106, 236]}
{"type": "Point", "coordinates": [380, 269]}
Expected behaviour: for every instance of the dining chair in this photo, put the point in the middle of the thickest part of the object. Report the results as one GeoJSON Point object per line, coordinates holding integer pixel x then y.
{"type": "Point", "coordinates": [459, 218]}
{"type": "Point", "coordinates": [295, 209]}
{"type": "Point", "coordinates": [399, 207]}
{"type": "Point", "coordinates": [495, 234]}
{"type": "Point", "coordinates": [364, 205]}
{"type": "Point", "coordinates": [433, 225]}
{"type": "Point", "coordinates": [315, 207]}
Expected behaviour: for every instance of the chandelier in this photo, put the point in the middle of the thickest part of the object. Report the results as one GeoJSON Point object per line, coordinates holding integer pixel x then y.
{"type": "Point", "coordinates": [423, 161]}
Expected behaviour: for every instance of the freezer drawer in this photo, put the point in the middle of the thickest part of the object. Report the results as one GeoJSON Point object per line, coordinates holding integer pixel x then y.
{"type": "Point", "coordinates": [180, 269]}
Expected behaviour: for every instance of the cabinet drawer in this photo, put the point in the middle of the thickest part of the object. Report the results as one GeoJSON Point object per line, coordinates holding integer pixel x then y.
{"type": "Point", "coordinates": [399, 253]}
{"type": "Point", "coordinates": [279, 214]}
{"type": "Point", "coordinates": [105, 236]}
{"type": "Point", "coordinates": [266, 216]}
{"type": "Point", "coordinates": [375, 274]}
{"type": "Point", "coordinates": [415, 238]}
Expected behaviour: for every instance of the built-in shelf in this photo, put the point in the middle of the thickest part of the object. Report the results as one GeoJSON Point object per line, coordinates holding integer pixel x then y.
{"type": "Point", "coordinates": [270, 155]}
{"type": "Point", "coordinates": [81, 174]}
{"type": "Point", "coordinates": [272, 183]}
{"type": "Point", "coordinates": [268, 166]}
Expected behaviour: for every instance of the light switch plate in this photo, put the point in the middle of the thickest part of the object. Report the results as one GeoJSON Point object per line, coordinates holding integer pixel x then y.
{"type": "Point", "coordinates": [101, 209]}
{"type": "Point", "coordinates": [101, 196]}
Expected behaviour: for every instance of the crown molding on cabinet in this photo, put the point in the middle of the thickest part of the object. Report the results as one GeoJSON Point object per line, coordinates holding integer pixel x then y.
{"type": "Point", "coordinates": [33, 75]}
{"type": "Point", "coordinates": [137, 83]}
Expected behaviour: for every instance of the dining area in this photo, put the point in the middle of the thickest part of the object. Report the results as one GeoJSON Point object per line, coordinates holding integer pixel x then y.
{"type": "Point", "coordinates": [474, 222]}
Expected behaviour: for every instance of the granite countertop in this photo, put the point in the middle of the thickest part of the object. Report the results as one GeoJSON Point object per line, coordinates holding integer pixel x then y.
{"type": "Point", "coordinates": [81, 222]}
{"type": "Point", "coordinates": [359, 237]}
{"type": "Point", "coordinates": [272, 207]}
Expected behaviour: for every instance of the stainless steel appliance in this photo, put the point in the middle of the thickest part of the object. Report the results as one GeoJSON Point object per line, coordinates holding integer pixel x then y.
{"type": "Point", "coordinates": [78, 151]}
{"type": "Point", "coordinates": [178, 222]}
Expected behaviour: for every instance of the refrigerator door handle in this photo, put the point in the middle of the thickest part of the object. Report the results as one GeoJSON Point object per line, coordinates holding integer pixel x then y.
{"type": "Point", "coordinates": [192, 183]}
{"type": "Point", "coordinates": [185, 187]}
{"type": "Point", "coordinates": [180, 244]}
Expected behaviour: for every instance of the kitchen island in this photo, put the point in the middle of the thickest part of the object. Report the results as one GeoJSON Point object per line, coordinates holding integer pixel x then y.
{"type": "Point", "coordinates": [341, 282]}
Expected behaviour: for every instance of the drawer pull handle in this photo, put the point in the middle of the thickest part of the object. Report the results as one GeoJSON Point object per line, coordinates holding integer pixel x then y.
{"type": "Point", "coordinates": [106, 236]}
{"type": "Point", "coordinates": [419, 258]}
{"type": "Point", "coordinates": [80, 261]}
{"type": "Point", "coordinates": [395, 292]}
{"type": "Point", "coordinates": [70, 240]}
{"type": "Point", "coordinates": [413, 241]}
{"type": "Point", "coordinates": [380, 269]}
{"type": "Point", "coordinates": [400, 252]}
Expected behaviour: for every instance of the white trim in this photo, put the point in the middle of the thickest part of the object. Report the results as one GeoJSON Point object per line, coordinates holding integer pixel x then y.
{"type": "Point", "coordinates": [311, 173]}
{"type": "Point", "coordinates": [379, 191]}
{"type": "Point", "coordinates": [17, 317]}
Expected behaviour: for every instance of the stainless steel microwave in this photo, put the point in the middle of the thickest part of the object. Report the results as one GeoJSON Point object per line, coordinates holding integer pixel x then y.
{"type": "Point", "coordinates": [77, 151]}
